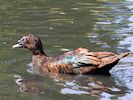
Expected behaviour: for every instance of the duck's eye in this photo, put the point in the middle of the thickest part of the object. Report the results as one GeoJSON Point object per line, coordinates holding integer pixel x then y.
{"type": "Point", "coordinates": [21, 41]}
{"type": "Point", "coordinates": [35, 40]}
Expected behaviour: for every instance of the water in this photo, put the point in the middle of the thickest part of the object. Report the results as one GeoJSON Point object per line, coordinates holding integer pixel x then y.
{"type": "Point", "coordinates": [99, 25]}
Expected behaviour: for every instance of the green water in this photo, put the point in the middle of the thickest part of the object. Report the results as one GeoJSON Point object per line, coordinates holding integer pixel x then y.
{"type": "Point", "coordinates": [99, 25]}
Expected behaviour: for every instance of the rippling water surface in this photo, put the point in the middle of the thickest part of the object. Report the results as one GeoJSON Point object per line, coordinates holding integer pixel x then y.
{"type": "Point", "coordinates": [99, 25]}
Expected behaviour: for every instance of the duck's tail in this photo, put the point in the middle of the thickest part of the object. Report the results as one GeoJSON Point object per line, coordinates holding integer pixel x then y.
{"type": "Point", "coordinates": [111, 59]}
{"type": "Point", "coordinates": [123, 55]}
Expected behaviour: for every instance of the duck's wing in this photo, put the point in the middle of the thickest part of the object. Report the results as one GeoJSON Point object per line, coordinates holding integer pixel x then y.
{"type": "Point", "coordinates": [82, 57]}
{"type": "Point", "coordinates": [78, 58]}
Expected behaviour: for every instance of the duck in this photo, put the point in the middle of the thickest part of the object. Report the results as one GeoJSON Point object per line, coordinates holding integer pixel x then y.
{"type": "Point", "coordinates": [79, 61]}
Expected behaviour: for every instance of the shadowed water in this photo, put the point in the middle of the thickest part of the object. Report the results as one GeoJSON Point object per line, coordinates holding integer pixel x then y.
{"type": "Point", "coordinates": [99, 25]}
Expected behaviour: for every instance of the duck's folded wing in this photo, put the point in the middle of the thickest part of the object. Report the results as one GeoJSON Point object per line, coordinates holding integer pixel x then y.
{"type": "Point", "coordinates": [96, 59]}
{"type": "Point", "coordinates": [77, 60]}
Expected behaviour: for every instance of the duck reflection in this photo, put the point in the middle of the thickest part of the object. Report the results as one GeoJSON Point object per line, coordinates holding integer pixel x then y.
{"type": "Point", "coordinates": [93, 85]}
{"type": "Point", "coordinates": [26, 86]}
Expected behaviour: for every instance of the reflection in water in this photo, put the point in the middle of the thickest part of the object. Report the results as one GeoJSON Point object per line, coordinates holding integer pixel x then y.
{"type": "Point", "coordinates": [124, 77]}
{"type": "Point", "coordinates": [127, 43]}
{"type": "Point", "coordinates": [69, 84]}
{"type": "Point", "coordinates": [72, 91]}
{"type": "Point", "coordinates": [29, 86]}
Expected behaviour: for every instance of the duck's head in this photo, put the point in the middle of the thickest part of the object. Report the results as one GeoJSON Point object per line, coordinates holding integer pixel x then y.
{"type": "Point", "coordinates": [31, 42]}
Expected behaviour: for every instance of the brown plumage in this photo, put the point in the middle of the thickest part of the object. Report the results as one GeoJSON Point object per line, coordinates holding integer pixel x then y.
{"type": "Point", "coordinates": [73, 62]}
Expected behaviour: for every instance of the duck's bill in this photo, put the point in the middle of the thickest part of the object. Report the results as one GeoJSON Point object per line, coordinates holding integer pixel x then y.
{"type": "Point", "coordinates": [17, 46]}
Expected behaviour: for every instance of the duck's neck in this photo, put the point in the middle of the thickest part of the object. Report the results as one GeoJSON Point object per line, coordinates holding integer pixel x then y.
{"type": "Point", "coordinates": [38, 52]}
{"type": "Point", "coordinates": [38, 58]}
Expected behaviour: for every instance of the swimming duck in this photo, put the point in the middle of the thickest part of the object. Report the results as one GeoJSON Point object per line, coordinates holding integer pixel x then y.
{"type": "Point", "coordinates": [79, 61]}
